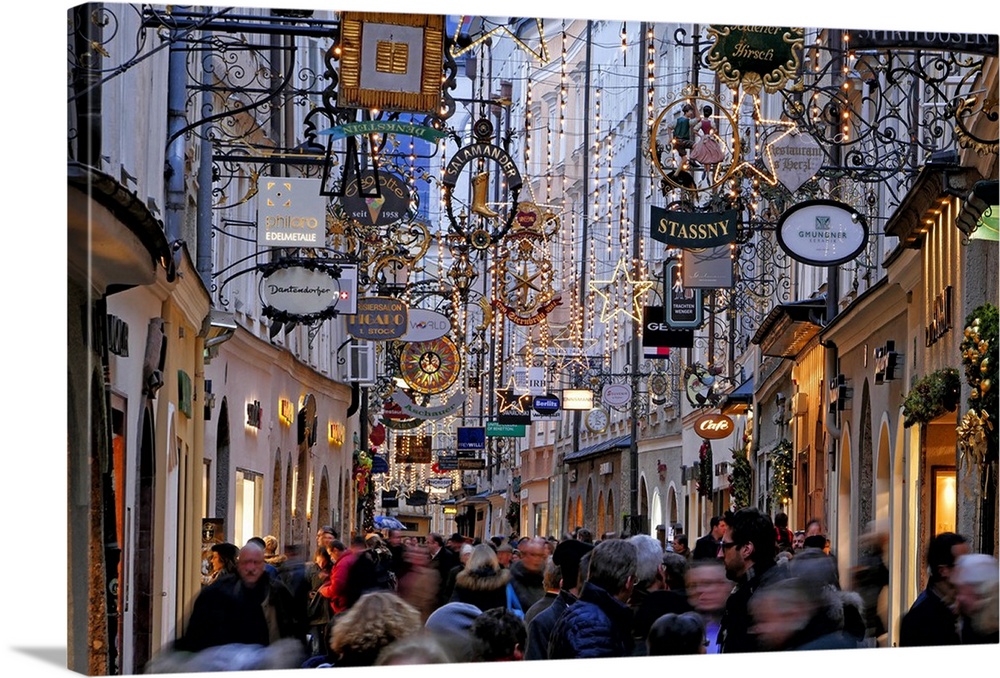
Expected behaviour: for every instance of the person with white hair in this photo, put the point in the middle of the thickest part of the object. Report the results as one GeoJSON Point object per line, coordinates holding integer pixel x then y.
{"type": "Point", "coordinates": [977, 591]}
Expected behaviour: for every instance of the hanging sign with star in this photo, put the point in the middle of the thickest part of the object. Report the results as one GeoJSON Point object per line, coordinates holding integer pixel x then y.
{"type": "Point", "coordinates": [635, 288]}
{"type": "Point", "coordinates": [693, 230]}
{"type": "Point", "coordinates": [526, 296]}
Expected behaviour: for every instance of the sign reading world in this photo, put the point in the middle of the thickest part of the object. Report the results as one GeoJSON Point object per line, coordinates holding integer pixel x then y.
{"type": "Point", "coordinates": [822, 232]}
{"type": "Point", "coordinates": [755, 56]}
{"type": "Point", "coordinates": [290, 212]}
{"type": "Point", "coordinates": [425, 325]}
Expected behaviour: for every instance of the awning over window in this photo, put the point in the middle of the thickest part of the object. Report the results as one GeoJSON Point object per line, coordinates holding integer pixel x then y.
{"type": "Point", "coordinates": [789, 327]}
{"type": "Point", "coordinates": [600, 448]}
{"type": "Point", "coordinates": [738, 400]}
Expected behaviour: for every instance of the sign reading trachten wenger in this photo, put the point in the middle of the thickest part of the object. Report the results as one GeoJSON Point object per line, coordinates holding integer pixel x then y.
{"type": "Point", "coordinates": [290, 212]}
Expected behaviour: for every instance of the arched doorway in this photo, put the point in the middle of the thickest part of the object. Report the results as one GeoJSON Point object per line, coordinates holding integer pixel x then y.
{"type": "Point", "coordinates": [866, 465]}
{"type": "Point", "coordinates": [588, 509]}
{"type": "Point", "coordinates": [672, 506]}
{"type": "Point", "coordinates": [609, 516]}
{"type": "Point", "coordinates": [276, 521]}
{"type": "Point", "coordinates": [142, 620]}
{"type": "Point", "coordinates": [601, 528]}
{"type": "Point", "coordinates": [222, 468]}
{"type": "Point", "coordinates": [289, 480]}
{"type": "Point", "coordinates": [579, 512]}
{"type": "Point", "coordinates": [844, 539]}
{"type": "Point", "coordinates": [644, 501]}
{"type": "Point", "coordinates": [656, 515]}
{"type": "Point", "coordinates": [323, 513]}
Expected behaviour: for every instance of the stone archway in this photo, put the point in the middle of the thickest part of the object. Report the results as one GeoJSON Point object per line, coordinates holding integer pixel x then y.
{"type": "Point", "coordinates": [276, 521]}
{"type": "Point", "coordinates": [866, 464]}
{"type": "Point", "coordinates": [656, 514]}
{"type": "Point", "coordinates": [579, 512]}
{"type": "Point", "coordinates": [325, 504]}
{"type": "Point", "coordinates": [609, 516]}
{"type": "Point", "coordinates": [601, 528]}
{"type": "Point", "coordinates": [588, 509]}
{"type": "Point", "coordinates": [844, 538]}
{"type": "Point", "coordinates": [222, 444]}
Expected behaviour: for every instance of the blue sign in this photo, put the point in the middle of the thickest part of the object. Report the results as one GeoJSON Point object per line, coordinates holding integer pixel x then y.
{"type": "Point", "coordinates": [547, 404]}
{"type": "Point", "coordinates": [471, 438]}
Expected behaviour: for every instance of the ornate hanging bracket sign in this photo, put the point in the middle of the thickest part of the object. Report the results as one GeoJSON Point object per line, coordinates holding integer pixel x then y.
{"type": "Point", "coordinates": [481, 231]}
{"type": "Point", "coordinates": [693, 229]}
{"type": "Point", "coordinates": [755, 57]}
{"type": "Point", "coordinates": [794, 158]}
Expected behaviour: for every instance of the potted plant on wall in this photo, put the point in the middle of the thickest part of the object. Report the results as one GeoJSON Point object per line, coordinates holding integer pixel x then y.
{"type": "Point", "coordinates": [931, 396]}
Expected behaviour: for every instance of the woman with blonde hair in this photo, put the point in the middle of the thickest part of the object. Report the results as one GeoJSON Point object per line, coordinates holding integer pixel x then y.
{"type": "Point", "coordinates": [376, 621]}
{"type": "Point", "coordinates": [977, 591]}
{"type": "Point", "coordinates": [482, 582]}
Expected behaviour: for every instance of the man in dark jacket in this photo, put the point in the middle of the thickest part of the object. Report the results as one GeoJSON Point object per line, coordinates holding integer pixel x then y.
{"type": "Point", "coordinates": [932, 620]}
{"type": "Point", "coordinates": [529, 573]}
{"type": "Point", "coordinates": [708, 546]}
{"type": "Point", "coordinates": [443, 559]}
{"type": "Point", "coordinates": [572, 557]}
{"type": "Point", "coordinates": [748, 552]}
{"type": "Point", "coordinates": [249, 607]}
{"type": "Point", "coordinates": [599, 624]}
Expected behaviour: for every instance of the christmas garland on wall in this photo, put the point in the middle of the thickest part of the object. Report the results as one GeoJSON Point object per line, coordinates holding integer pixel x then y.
{"type": "Point", "coordinates": [932, 396]}
{"type": "Point", "coordinates": [705, 469]}
{"type": "Point", "coordinates": [781, 462]}
{"type": "Point", "coordinates": [741, 479]}
{"type": "Point", "coordinates": [977, 434]}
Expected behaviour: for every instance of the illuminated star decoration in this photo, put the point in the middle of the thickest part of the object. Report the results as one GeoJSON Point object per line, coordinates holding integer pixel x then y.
{"type": "Point", "coordinates": [511, 400]}
{"type": "Point", "coordinates": [569, 351]}
{"type": "Point", "coordinates": [767, 174]}
{"type": "Point", "coordinates": [542, 56]}
{"type": "Point", "coordinates": [639, 289]}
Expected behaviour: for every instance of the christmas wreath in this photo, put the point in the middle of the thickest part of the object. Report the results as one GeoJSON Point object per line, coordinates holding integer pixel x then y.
{"type": "Point", "coordinates": [931, 397]}
{"type": "Point", "coordinates": [781, 462]}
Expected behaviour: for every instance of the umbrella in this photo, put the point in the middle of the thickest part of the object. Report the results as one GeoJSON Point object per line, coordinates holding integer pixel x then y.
{"type": "Point", "coordinates": [388, 523]}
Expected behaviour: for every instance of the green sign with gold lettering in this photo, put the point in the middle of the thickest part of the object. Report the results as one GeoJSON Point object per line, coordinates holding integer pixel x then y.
{"type": "Point", "coordinates": [693, 230]}
{"type": "Point", "coordinates": [755, 57]}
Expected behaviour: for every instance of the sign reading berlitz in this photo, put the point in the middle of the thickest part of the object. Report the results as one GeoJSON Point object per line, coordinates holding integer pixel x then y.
{"type": "Point", "coordinates": [290, 213]}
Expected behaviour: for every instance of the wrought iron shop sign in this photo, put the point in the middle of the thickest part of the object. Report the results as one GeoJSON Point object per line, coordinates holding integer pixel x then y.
{"type": "Point", "coordinates": [794, 158]}
{"type": "Point", "coordinates": [290, 213]}
{"type": "Point", "coordinates": [385, 127]}
{"type": "Point", "coordinates": [693, 229]}
{"type": "Point", "coordinates": [425, 325]}
{"type": "Point", "coordinates": [708, 268]}
{"type": "Point", "coordinates": [453, 405]}
{"type": "Point", "coordinates": [616, 395]}
{"type": "Point", "coordinates": [755, 57]}
{"type": "Point", "coordinates": [376, 200]}
{"type": "Point", "coordinates": [378, 318]}
{"type": "Point", "coordinates": [684, 306]}
{"type": "Point", "coordinates": [657, 333]}
{"type": "Point", "coordinates": [822, 232]}
{"type": "Point", "coordinates": [307, 290]}
{"type": "Point", "coordinates": [974, 43]}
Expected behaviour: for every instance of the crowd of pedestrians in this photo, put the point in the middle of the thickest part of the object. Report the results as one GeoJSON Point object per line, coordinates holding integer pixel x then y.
{"type": "Point", "coordinates": [750, 584]}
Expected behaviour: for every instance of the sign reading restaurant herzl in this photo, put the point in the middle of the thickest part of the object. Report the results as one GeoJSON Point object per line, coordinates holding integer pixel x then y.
{"type": "Point", "coordinates": [693, 230]}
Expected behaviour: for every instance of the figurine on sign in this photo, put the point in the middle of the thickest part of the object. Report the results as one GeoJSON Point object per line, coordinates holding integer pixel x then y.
{"type": "Point", "coordinates": [681, 133]}
{"type": "Point", "coordinates": [707, 150]}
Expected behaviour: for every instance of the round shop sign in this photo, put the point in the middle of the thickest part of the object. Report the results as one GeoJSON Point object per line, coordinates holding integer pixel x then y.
{"type": "Point", "coordinates": [425, 325]}
{"type": "Point", "coordinates": [714, 426]}
{"type": "Point", "coordinates": [616, 395]}
{"type": "Point", "coordinates": [379, 204]}
{"type": "Point", "coordinates": [300, 291]}
{"type": "Point", "coordinates": [822, 232]}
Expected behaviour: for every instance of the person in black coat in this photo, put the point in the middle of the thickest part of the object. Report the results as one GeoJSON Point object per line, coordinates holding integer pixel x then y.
{"type": "Point", "coordinates": [482, 582]}
{"type": "Point", "coordinates": [232, 610]}
{"type": "Point", "coordinates": [932, 620]}
{"type": "Point", "coordinates": [708, 545]}
{"type": "Point", "coordinates": [573, 559]}
{"type": "Point", "coordinates": [442, 559]}
{"type": "Point", "coordinates": [599, 624]}
{"type": "Point", "coordinates": [748, 553]}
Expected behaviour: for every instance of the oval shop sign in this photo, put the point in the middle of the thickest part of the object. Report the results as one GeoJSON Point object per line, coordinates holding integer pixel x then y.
{"type": "Point", "coordinates": [822, 232]}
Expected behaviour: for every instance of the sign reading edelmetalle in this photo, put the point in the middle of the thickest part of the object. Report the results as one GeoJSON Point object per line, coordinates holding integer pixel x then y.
{"type": "Point", "coordinates": [714, 426]}
{"type": "Point", "coordinates": [290, 212]}
{"type": "Point", "coordinates": [378, 318]}
{"type": "Point", "coordinates": [822, 232]}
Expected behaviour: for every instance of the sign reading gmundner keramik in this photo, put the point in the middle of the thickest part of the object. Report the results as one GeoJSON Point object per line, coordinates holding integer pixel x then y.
{"type": "Point", "coordinates": [755, 56]}
{"type": "Point", "coordinates": [290, 212]}
{"type": "Point", "coordinates": [822, 232]}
